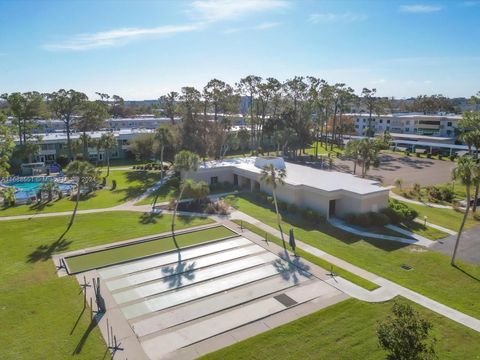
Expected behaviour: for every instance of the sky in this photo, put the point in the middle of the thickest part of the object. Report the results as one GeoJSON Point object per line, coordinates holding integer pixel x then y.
{"type": "Point", "coordinates": [144, 49]}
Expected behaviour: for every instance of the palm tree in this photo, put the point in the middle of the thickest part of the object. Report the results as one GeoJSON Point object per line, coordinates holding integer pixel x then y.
{"type": "Point", "coordinates": [86, 174]}
{"type": "Point", "coordinates": [352, 150]}
{"type": "Point", "coordinates": [368, 153]}
{"type": "Point", "coordinates": [185, 163]}
{"type": "Point", "coordinates": [468, 172]}
{"type": "Point", "coordinates": [273, 177]}
{"type": "Point", "coordinates": [399, 183]}
{"type": "Point", "coordinates": [107, 143]}
{"type": "Point", "coordinates": [49, 188]}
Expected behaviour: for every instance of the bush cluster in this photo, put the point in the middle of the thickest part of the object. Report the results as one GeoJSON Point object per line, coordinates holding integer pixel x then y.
{"type": "Point", "coordinates": [219, 207]}
{"type": "Point", "coordinates": [395, 213]}
{"type": "Point", "coordinates": [150, 166]}
{"type": "Point", "coordinates": [305, 213]}
{"type": "Point", "coordinates": [369, 219]}
{"type": "Point", "coordinates": [440, 193]}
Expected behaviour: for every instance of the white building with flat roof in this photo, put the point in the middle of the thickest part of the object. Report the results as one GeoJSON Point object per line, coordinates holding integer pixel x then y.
{"type": "Point", "coordinates": [331, 193]}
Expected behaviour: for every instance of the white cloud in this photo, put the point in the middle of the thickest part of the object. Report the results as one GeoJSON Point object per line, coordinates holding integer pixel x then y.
{"type": "Point", "coordinates": [218, 10]}
{"type": "Point", "coordinates": [117, 37]}
{"type": "Point", "coordinates": [471, 3]}
{"type": "Point", "coordinates": [204, 11]}
{"type": "Point", "coordinates": [262, 26]}
{"type": "Point", "coordinates": [420, 8]}
{"type": "Point", "coordinates": [347, 17]}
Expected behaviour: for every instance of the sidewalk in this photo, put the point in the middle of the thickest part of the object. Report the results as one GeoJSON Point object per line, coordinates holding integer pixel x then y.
{"type": "Point", "coordinates": [388, 288]}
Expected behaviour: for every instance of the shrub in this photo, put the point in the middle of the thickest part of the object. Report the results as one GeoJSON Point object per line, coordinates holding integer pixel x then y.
{"type": "Point", "coordinates": [452, 157]}
{"type": "Point", "coordinates": [440, 157]}
{"type": "Point", "coordinates": [218, 207]}
{"type": "Point", "coordinates": [114, 184]}
{"type": "Point", "coordinates": [402, 210]}
{"type": "Point", "coordinates": [270, 200]}
{"type": "Point", "coordinates": [282, 205]}
{"type": "Point", "coordinates": [434, 193]}
{"type": "Point", "coordinates": [62, 161]}
{"type": "Point", "coordinates": [418, 154]}
{"type": "Point", "coordinates": [292, 208]}
{"type": "Point", "coordinates": [429, 155]}
{"type": "Point", "coordinates": [393, 216]}
{"type": "Point", "coordinates": [447, 193]}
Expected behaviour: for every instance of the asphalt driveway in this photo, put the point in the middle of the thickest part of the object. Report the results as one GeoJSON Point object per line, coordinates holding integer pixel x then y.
{"type": "Point", "coordinates": [468, 249]}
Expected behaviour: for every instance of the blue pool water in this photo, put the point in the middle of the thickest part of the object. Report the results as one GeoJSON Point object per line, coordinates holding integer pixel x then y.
{"type": "Point", "coordinates": [27, 189]}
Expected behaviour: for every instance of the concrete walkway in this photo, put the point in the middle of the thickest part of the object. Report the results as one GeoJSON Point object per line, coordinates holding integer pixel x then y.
{"type": "Point", "coordinates": [413, 240]}
{"type": "Point", "coordinates": [435, 226]}
{"type": "Point", "coordinates": [404, 199]}
{"type": "Point", "coordinates": [421, 240]}
{"type": "Point", "coordinates": [388, 288]}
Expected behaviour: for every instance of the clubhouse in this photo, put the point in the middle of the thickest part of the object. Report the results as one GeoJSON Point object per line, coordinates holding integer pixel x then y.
{"type": "Point", "coordinates": [331, 193]}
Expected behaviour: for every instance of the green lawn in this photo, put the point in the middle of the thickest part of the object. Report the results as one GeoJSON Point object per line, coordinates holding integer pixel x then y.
{"type": "Point", "coordinates": [130, 184]}
{"type": "Point", "coordinates": [347, 330]}
{"type": "Point", "coordinates": [447, 218]}
{"type": "Point", "coordinates": [165, 193]}
{"type": "Point", "coordinates": [323, 150]}
{"type": "Point", "coordinates": [99, 259]}
{"type": "Point", "coordinates": [425, 231]}
{"type": "Point", "coordinates": [432, 274]}
{"type": "Point", "coordinates": [38, 310]}
{"type": "Point", "coordinates": [313, 259]}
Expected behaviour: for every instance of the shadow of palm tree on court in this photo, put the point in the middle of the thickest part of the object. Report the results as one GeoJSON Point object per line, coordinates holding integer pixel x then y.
{"type": "Point", "coordinates": [178, 273]}
{"type": "Point", "coordinates": [291, 269]}
{"type": "Point", "coordinates": [44, 252]}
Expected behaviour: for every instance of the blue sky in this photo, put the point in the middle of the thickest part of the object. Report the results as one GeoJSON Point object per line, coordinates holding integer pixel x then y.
{"type": "Point", "coordinates": [142, 49]}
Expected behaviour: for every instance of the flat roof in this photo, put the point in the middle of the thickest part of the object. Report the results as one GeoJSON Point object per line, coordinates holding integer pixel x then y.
{"type": "Point", "coordinates": [420, 137]}
{"type": "Point", "coordinates": [298, 175]}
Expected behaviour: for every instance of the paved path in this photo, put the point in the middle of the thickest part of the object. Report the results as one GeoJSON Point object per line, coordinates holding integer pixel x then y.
{"type": "Point", "coordinates": [468, 248]}
{"type": "Point", "coordinates": [435, 226]}
{"type": "Point", "coordinates": [413, 239]}
{"type": "Point", "coordinates": [388, 288]}
{"type": "Point", "coordinates": [404, 199]}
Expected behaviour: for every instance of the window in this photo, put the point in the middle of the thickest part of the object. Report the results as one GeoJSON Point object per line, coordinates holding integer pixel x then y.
{"type": "Point", "coordinates": [214, 180]}
{"type": "Point", "coordinates": [407, 122]}
{"type": "Point", "coordinates": [381, 121]}
{"type": "Point", "coordinates": [388, 121]}
{"type": "Point", "coordinates": [358, 120]}
{"type": "Point", "coordinates": [449, 123]}
{"type": "Point", "coordinates": [407, 129]}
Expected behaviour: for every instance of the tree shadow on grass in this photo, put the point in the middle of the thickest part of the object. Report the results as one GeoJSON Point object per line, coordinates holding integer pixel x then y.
{"type": "Point", "coordinates": [149, 218]}
{"type": "Point", "coordinates": [466, 273]}
{"type": "Point", "coordinates": [86, 334]}
{"type": "Point", "coordinates": [44, 252]}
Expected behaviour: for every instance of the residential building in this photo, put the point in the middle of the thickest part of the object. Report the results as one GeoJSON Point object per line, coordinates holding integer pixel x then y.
{"type": "Point", "coordinates": [440, 125]}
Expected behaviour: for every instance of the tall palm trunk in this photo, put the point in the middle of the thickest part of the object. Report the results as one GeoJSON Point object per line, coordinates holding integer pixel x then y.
{"type": "Point", "coordinates": [176, 208]}
{"type": "Point", "coordinates": [76, 207]}
{"type": "Point", "coordinates": [355, 166]}
{"type": "Point", "coordinates": [161, 178]}
{"type": "Point", "coordinates": [278, 214]}
{"type": "Point", "coordinates": [107, 154]}
{"type": "Point", "coordinates": [465, 216]}
{"type": "Point", "coordinates": [475, 197]}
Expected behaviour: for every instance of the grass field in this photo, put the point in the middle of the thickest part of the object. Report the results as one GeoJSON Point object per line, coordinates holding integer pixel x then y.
{"type": "Point", "coordinates": [41, 314]}
{"type": "Point", "coordinates": [425, 231]}
{"type": "Point", "coordinates": [313, 259]}
{"type": "Point", "coordinates": [130, 184]}
{"type": "Point", "coordinates": [347, 330]}
{"type": "Point", "coordinates": [431, 276]}
{"type": "Point", "coordinates": [447, 218]}
{"type": "Point", "coordinates": [99, 259]}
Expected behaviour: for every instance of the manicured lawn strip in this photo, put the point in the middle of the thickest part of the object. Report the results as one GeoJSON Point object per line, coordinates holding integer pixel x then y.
{"type": "Point", "coordinates": [165, 193]}
{"type": "Point", "coordinates": [38, 310]}
{"type": "Point", "coordinates": [432, 275]}
{"type": "Point", "coordinates": [313, 259]}
{"type": "Point", "coordinates": [447, 218]}
{"type": "Point", "coordinates": [130, 184]}
{"type": "Point", "coordinates": [425, 231]}
{"type": "Point", "coordinates": [347, 330]}
{"type": "Point", "coordinates": [116, 255]}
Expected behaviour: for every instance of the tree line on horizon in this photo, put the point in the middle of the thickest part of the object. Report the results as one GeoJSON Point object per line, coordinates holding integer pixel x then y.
{"type": "Point", "coordinates": [281, 116]}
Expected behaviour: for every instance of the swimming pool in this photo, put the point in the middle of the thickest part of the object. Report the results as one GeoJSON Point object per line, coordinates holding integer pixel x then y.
{"type": "Point", "coordinates": [28, 189]}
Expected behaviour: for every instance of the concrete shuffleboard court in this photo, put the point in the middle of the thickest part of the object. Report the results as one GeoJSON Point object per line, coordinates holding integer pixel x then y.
{"type": "Point", "coordinates": [175, 302]}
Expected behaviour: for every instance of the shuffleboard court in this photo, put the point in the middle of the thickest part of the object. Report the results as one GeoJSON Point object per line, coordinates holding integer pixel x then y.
{"type": "Point", "coordinates": [181, 267]}
{"type": "Point", "coordinates": [178, 281]}
{"type": "Point", "coordinates": [164, 259]}
{"type": "Point", "coordinates": [102, 258]}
